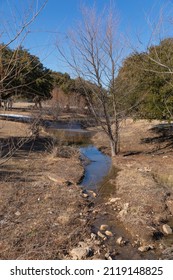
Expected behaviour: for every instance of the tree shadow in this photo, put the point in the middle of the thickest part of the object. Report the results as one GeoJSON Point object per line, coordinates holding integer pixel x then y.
{"type": "Point", "coordinates": [13, 176]}
{"type": "Point", "coordinates": [17, 147]}
{"type": "Point", "coordinates": [14, 145]}
{"type": "Point", "coordinates": [163, 136]}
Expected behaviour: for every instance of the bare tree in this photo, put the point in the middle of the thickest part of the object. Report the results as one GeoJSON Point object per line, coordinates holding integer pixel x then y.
{"type": "Point", "coordinates": [13, 31]}
{"type": "Point", "coordinates": [94, 54]}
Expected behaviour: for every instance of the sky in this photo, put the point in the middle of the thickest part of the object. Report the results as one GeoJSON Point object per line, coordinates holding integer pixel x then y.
{"type": "Point", "coordinates": [58, 16]}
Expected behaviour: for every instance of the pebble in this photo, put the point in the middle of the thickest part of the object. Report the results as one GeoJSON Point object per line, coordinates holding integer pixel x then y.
{"type": "Point", "coordinates": [167, 229]}
{"type": "Point", "coordinates": [120, 241]}
{"type": "Point", "coordinates": [85, 195]}
{"type": "Point", "coordinates": [109, 233]}
{"type": "Point", "coordinates": [101, 235]}
{"type": "Point", "coordinates": [103, 227]}
{"type": "Point", "coordinates": [92, 193]}
{"type": "Point", "coordinates": [145, 248]}
{"type": "Point", "coordinates": [108, 257]}
{"type": "Point", "coordinates": [114, 199]}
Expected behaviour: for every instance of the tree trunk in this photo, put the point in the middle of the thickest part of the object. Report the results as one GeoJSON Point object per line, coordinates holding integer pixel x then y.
{"type": "Point", "coordinates": [114, 147]}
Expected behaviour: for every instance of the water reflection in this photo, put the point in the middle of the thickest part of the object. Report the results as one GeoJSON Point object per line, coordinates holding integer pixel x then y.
{"type": "Point", "coordinates": [97, 169]}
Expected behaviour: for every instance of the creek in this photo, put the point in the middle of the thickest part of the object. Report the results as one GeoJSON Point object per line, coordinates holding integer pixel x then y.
{"type": "Point", "coordinates": [98, 174]}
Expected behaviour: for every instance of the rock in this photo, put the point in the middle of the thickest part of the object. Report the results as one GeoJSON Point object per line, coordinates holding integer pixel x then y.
{"type": "Point", "coordinates": [136, 243]}
{"type": "Point", "coordinates": [56, 179]}
{"type": "Point", "coordinates": [78, 253]}
{"type": "Point", "coordinates": [114, 199]}
{"type": "Point", "coordinates": [104, 227]}
{"type": "Point", "coordinates": [167, 229]}
{"type": "Point", "coordinates": [82, 251]}
{"type": "Point", "coordinates": [92, 193]}
{"type": "Point", "coordinates": [120, 241]}
{"type": "Point", "coordinates": [108, 257]}
{"type": "Point", "coordinates": [85, 195]}
{"type": "Point", "coordinates": [145, 248]}
{"type": "Point", "coordinates": [108, 233]}
{"type": "Point", "coordinates": [101, 235]}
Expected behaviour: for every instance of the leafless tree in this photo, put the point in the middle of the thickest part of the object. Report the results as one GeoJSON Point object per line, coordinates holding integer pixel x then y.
{"type": "Point", "coordinates": [13, 30]}
{"type": "Point", "coordinates": [94, 54]}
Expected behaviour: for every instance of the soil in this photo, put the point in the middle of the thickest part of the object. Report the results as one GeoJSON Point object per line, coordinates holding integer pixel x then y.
{"type": "Point", "coordinates": [44, 214]}
{"type": "Point", "coordinates": [144, 183]}
{"type": "Point", "coordinates": [40, 202]}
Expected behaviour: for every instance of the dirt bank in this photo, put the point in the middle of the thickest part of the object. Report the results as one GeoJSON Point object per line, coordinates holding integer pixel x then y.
{"type": "Point", "coordinates": [144, 186]}
{"type": "Point", "coordinates": [41, 205]}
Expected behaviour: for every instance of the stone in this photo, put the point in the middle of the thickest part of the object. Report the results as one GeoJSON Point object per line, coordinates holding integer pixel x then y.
{"type": "Point", "coordinates": [104, 227]}
{"type": "Point", "coordinates": [78, 253]}
{"type": "Point", "coordinates": [167, 229]}
{"type": "Point", "coordinates": [56, 179]}
{"type": "Point", "coordinates": [120, 241]}
{"type": "Point", "coordinates": [145, 248]}
{"type": "Point", "coordinates": [108, 233]}
{"type": "Point", "coordinates": [85, 195]}
{"type": "Point", "coordinates": [92, 193]}
{"type": "Point", "coordinates": [114, 199]}
{"type": "Point", "coordinates": [82, 251]}
{"type": "Point", "coordinates": [108, 257]}
{"type": "Point", "coordinates": [101, 235]}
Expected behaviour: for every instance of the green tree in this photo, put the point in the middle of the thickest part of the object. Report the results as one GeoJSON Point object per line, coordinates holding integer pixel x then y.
{"type": "Point", "coordinates": [23, 74]}
{"type": "Point", "coordinates": [147, 79]}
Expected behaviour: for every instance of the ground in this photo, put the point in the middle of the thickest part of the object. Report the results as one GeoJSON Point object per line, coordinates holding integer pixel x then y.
{"type": "Point", "coordinates": [144, 182]}
{"type": "Point", "coordinates": [45, 215]}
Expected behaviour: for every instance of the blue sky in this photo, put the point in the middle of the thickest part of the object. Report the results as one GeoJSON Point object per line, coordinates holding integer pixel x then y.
{"type": "Point", "coordinates": [59, 16]}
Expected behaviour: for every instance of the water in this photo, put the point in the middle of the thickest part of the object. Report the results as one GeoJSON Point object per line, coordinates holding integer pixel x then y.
{"type": "Point", "coordinates": [97, 168]}
{"type": "Point", "coordinates": [19, 118]}
{"type": "Point", "coordinates": [63, 125]}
